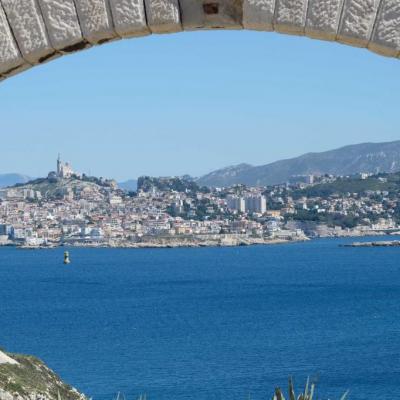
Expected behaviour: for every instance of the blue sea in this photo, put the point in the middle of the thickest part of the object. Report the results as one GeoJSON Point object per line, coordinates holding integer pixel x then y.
{"type": "Point", "coordinates": [209, 323]}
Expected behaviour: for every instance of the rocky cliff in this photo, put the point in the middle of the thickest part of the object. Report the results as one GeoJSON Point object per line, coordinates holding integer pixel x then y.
{"type": "Point", "coordinates": [28, 378]}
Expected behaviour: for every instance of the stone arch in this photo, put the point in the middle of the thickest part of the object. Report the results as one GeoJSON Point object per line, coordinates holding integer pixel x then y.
{"type": "Point", "coordinates": [35, 31]}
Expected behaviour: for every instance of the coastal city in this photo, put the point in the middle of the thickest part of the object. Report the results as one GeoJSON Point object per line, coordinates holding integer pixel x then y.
{"type": "Point", "coordinates": [71, 209]}
{"type": "Point", "coordinates": [199, 199]}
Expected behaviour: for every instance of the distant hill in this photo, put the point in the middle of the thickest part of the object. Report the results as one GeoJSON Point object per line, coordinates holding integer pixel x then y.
{"type": "Point", "coordinates": [348, 160]}
{"type": "Point", "coordinates": [178, 184]}
{"type": "Point", "coordinates": [12, 179]}
{"type": "Point", "coordinates": [376, 183]}
{"type": "Point", "coordinates": [53, 187]}
{"type": "Point", "coordinates": [130, 185]}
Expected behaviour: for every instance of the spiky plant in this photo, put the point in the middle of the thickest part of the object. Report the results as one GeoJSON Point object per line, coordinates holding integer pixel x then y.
{"type": "Point", "coordinates": [308, 393]}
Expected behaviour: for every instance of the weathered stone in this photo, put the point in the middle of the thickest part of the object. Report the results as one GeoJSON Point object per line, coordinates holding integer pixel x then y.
{"type": "Point", "coordinates": [33, 31]}
{"type": "Point", "coordinates": [129, 17]}
{"type": "Point", "coordinates": [386, 35]}
{"type": "Point", "coordinates": [17, 70]}
{"type": "Point", "coordinates": [29, 29]}
{"type": "Point", "coordinates": [10, 57]}
{"type": "Point", "coordinates": [323, 18]}
{"type": "Point", "coordinates": [290, 16]}
{"type": "Point", "coordinates": [95, 20]}
{"type": "Point", "coordinates": [211, 14]}
{"type": "Point", "coordinates": [62, 23]}
{"type": "Point", "coordinates": [258, 14]}
{"type": "Point", "coordinates": [163, 16]}
{"type": "Point", "coordinates": [357, 22]}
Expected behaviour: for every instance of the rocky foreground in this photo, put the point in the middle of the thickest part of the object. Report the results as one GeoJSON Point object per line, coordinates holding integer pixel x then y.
{"type": "Point", "coordinates": [27, 378]}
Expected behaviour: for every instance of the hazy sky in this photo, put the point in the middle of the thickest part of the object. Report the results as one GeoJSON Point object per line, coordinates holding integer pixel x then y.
{"type": "Point", "coordinates": [194, 102]}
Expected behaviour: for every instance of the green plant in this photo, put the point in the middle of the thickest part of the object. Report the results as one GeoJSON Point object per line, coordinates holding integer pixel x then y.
{"type": "Point", "coordinates": [308, 393]}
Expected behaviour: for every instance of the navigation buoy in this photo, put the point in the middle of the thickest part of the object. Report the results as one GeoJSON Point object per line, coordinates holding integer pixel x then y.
{"type": "Point", "coordinates": [66, 258]}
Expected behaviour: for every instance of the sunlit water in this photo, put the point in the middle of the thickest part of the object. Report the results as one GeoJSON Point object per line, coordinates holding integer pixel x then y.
{"type": "Point", "coordinates": [216, 323]}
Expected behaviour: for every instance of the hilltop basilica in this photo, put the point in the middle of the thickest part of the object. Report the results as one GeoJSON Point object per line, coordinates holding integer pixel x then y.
{"type": "Point", "coordinates": [64, 170]}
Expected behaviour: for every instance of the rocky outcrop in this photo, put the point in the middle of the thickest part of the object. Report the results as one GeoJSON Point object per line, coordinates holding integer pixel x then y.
{"type": "Point", "coordinates": [28, 378]}
{"type": "Point", "coordinates": [5, 359]}
{"type": "Point", "coordinates": [385, 243]}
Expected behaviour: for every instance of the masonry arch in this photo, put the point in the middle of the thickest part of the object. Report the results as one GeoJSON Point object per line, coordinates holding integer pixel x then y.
{"type": "Point", "coordinates": [33, 32]}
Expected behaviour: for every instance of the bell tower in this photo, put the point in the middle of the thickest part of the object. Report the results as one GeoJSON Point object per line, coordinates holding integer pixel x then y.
{"type": "Point", "coordinates": [59, 165]}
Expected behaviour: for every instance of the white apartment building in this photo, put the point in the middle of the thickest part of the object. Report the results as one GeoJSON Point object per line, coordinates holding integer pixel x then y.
{"type": "Point", "coordinates": [256, 204]}
{"type": "Point", "coordinates": [253, 203]}
{"type": "Point", "coordinates": [236, 203]}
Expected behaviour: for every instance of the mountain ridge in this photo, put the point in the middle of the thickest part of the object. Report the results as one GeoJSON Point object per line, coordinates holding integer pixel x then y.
{"type": "Point", "coordinates": [128, 185]}
{"type": "Point", "coordinates": [366, 157]}
{"type": "Point", "coordinates": [346, 160]}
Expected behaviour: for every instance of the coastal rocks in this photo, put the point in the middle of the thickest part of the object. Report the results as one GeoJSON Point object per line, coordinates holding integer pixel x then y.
{"type": "Point", "coordinates": [27, 378]}
{"type": "Point", "coordinates": [387, 243]}
{"type": "Point", "coordinates": [199, 241]}
{"type": "Point", "coordinates": [5, 359]}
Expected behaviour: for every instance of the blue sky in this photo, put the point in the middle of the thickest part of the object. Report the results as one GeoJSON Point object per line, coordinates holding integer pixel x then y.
{"type": "Point", "coordinates": [194, 102]}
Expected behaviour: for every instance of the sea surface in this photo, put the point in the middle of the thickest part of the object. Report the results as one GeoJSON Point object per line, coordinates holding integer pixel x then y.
{"type": "Point", "coordinates": [210, 323]}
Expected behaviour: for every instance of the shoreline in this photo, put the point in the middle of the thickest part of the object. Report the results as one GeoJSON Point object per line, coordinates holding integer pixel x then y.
{"type": "Point", "coordinates": [382, 243]}
{"type": "Point", "coordinates": [172, 243]}
{"type": "Point", "coordinates": [165, 244]}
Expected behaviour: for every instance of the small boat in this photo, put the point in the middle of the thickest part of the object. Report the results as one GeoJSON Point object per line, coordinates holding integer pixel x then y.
{"type": "Point", "coordinates": [66, 258]}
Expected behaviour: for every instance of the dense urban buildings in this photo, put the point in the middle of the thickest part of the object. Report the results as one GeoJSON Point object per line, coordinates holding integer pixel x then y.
{"type": "Point", "coordinates": [68, 208]}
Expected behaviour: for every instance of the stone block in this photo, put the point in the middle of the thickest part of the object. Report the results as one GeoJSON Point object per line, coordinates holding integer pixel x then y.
{"type": "Point", "coordinates": [290, 16]}
{"type": "Point", "coordinates": [28, 27]}
{"type": "Point", "coordinates": [258, 14]}
{"type": "Point", "coordinates": [10, 56]}
{"type": "Point", "coordinates": [62, 24]}
{"type": "Point", "coordinates": [357, 22]}
{"type": "Point", "coordinates": [386, 35]}
{"type": "Point", "coordinates": [129, 18]}
{"type": "Point", "coordinates": [95, 21]}
{"type": "Point", "coordinates": [163, 16]}
{"type": "Point", "coordinates": [323, 18]}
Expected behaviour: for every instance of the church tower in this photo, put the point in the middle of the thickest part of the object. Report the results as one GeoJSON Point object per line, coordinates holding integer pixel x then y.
{"type": "Point", "coordinates": [59, 166]}
{"type": "Point", "coordinates": [64, 170]}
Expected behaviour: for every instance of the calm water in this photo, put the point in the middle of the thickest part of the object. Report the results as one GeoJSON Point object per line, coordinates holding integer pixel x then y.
{"type": "Point", "coordinates": [208, 323]}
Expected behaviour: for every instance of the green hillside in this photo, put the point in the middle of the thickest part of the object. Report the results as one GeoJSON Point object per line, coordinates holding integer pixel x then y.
{"type": "Point", "coordinates": [342, 186]}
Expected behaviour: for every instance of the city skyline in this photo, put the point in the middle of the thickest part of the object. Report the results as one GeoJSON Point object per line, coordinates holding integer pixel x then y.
{"type": "Point", "coordinates": [216, 108]}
